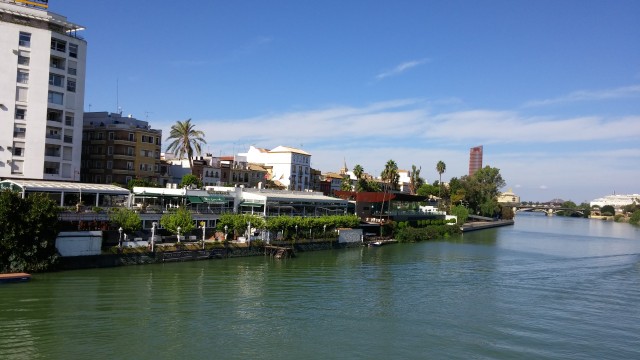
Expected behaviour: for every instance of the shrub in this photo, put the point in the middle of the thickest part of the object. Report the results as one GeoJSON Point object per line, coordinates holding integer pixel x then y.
{"type": "Point", "coordinates": [635, 218]}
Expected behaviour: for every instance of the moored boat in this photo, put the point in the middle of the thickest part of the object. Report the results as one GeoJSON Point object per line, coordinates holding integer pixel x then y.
{"type": "Point", "coordinates": [14, 277]}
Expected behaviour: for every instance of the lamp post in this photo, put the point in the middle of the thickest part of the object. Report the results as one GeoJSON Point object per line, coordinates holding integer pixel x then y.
{"type": "Point", "coordinates": [179, 228]}
{"type": "Point", "coordinates": [296, 230]}
{"type": "Point", "coordinates": [225, 232]}
{"type": "Point", "coordinates": [203, 233]}
{"type": "Point", "coordinates": [120, 238]}
{"type": "Point", "coordinates": [153, 234]}
{"type": "Point", "coordinates": [249, 232]}
{"type": "Point", "coordinates": [324, 229]}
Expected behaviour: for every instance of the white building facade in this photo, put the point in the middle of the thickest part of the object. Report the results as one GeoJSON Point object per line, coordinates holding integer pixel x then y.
{"type": "Point", "coordinates": [617, 201]}
{"type": "Point", "coordinates": [42, 82]}
{"type": "Point", "coordinates": [290, 166]}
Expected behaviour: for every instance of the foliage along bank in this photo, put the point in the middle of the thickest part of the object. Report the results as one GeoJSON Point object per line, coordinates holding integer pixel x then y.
{"type": "Point", "coordinates": [29, 230]}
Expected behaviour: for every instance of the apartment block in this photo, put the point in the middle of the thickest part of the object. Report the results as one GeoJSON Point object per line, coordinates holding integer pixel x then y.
{"type": "Point", "coordinates": [117, 149]}
{"type": "Point", "coordinates": [42, 82]}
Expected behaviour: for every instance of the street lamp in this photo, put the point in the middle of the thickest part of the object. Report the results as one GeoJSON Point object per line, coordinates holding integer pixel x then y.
{"type": "Point", "coordinates": [296, 230]}
{"type": "Point", "coordinates": [324, 229]}
{"type": "Point", "coordinates": [225, 232]}
{"type": "Point", "coordinates": [179, 228]}
{"type": "Point", "coordinates": [153, 234]}
{"type": "Point", "coordinates": [203, 233]}
{"type": "Point", "coordinates": [120, 239]}
{"type": "Point", "coordinates": [249, 232]}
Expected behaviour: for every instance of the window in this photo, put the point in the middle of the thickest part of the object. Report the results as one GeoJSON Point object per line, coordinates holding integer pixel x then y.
{"type": "Point", "coordinates": [144, 138]}
{"type": "Point", "coordinates": [23, 58]}
{"type": "Point", "coordinates": [73, 50]}
{"type": "Point", "coordinates": [111, 136]}
{"type": "Point", "coordinates": [129, 165]}
{"type": "Point", "coordinates": [73, 68]}
{"type": "Point", "coordinates": [98, 179]}
{"type": "Point", "coordinates": [100, 136]}
{"type": "Point", "coordinates": [25, 39]}
{"type": "Point", "coordinates": [107, 179]}
{"type": "Point", "coordinates": [131, 137]}
{"type": "Point", "coordinates": [69, 119]}
{"type": "Point", "coordinates": [54, 115]}
{"type": "Point", "coordinates": [109, 150]}
{"type": "Point", "coordinates": [18, 151]}
{"type": "Point", "coordinates": [150, 139]}
{"type": "Point", "coordinates": [127, 179]}
{"type": "Point", "coordinates": [56, 62]}
{"type": "Point", "coordinates": [109, 164]}
{"type": "Point", "coordinates": [56, 80]}
{"type": "Point", "coordinates": [21, 113]}
{"type": "Point", "coordinates": [23, 77]}
{"type": "Point", "coordinates": [21, 94]}
{"type": "Point", "coordinates": [58, 45]}
{"type": "Point", "coordinates": [56, 98]}
{"type": "Point", "coordinates": [71, 85]}
{"type": "Point", "coordinates": [130, 151]}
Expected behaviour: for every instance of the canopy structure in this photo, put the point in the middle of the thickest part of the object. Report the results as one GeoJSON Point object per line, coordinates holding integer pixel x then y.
{"type": "Point", "coordinates": [71, 193]}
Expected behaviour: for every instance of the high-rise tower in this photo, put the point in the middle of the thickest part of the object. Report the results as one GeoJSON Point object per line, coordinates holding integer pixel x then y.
{"type": "Point", "coordinates": [475, 159]}
{"type": "Point", "coordinates": [42, 79]}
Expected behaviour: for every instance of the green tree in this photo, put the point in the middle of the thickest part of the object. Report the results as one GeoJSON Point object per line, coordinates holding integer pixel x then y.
{"type": "Point", "coordinates": [141, 183]}
{"type": "Point", "coordinates": [361, 183]}
{"type": "Point", "coordinates": [415, 181]}
{"type": "Point", "coordinates": [29, 230]}
{"type": "Point", "coordinates": [461, 212]}
{"type": "Point", "coordinates": [481, 189]}
{"type": "Point", "coordinates": [441, 167]}
{"type": "Point", "coordinates": [186, 140]}
{"type": "Point", "coordinates": [127, 219]}
{"type": "Point", "coordinates": [635, 218]}
{"type": "Point", "coordinates": [607, 210]}
{"type": "Point", "coordinates": [345, 185]}
{"type": "Point", "coordinates": [190, 179]}
{"type": "Point", "coordinates": [390, 175]}
{"type": "Point", "coordinates": [427, 190]}
{"type": "Point", "coordinates": [180, 219]}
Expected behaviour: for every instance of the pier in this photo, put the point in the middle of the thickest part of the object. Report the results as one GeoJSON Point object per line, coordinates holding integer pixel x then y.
{"type": "Point", "coordinates": [279, 252]}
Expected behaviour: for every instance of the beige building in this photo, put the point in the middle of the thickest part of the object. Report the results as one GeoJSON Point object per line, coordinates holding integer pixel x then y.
{"type": "Point", "coordinates": [508, 197]}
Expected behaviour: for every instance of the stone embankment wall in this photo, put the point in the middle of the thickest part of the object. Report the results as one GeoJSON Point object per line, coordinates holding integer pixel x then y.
{"type": "Point", "coordinates": [112, 260]}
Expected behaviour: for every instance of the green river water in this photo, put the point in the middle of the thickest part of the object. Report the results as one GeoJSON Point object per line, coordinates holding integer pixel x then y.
{"type": "Point", "coordinates": [545, 288]}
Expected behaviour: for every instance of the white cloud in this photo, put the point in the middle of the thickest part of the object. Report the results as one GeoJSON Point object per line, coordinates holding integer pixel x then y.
{"type": "Point", "coordinates": [624, 92]}
{"type": "Point", "coordinates": [401, 68]}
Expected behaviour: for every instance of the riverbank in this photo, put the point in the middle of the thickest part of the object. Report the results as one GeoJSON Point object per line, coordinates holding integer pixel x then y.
{"type": "Point", "coordinates": [479, 225]}
{"type": "Point", "coordinates": [158, 257]}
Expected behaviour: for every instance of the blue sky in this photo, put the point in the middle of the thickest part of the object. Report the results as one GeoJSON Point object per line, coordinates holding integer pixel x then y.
{"type": "Point", "coordinates": [550, 88]}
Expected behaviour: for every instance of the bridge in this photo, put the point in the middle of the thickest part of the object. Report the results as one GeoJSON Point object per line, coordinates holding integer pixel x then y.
{"type": "Point", "coordinates": [549, 210]}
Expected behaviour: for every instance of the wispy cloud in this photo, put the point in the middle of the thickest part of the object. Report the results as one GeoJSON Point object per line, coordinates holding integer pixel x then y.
{"type": "Point", "coordinates": [401, 68]}
{"type": "Point", "coordinates": [624, 92]}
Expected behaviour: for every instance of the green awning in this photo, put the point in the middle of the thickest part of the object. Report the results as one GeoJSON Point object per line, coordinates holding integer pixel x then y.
{"type": "Point", "coordinates": [212, 199]}
{"type": "Point", "coordinates": [195, 199]}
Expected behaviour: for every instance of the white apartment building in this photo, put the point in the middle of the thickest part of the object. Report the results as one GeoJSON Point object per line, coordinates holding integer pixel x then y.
{"type": "Point", "coordinates": [289, 166]}
{"type": "Point", "coordinates": [42, 81]}
{"type": "Point", "coordinates": [616, 200]}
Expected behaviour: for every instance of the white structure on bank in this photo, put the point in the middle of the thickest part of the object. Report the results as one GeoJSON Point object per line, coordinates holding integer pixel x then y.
{"type": "Point", "coordinates": [508, 197]}
{"type": "Point", "coordinates": [617, 201]}
{"type": "Point", "coordinates": [290, 166]}
{"type": "Point", "coordinates": [42, 80]}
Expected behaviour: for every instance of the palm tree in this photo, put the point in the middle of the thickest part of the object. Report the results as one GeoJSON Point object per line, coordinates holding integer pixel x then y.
{"type": "Point", "coordinates": [415, 180]}
{"type": "Point", "coordinates": [390, 177]}
{"type": "Point", "coordinates": [358, 171]}
{"type": "Point", "coordinates": [186, 140]}
{"type": "Point", "coordinates": [441, 167]}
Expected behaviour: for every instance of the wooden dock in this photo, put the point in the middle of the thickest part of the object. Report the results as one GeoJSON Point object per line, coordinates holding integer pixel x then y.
{"type": "Point", "coordinates": [14, 277]}
{"type": "Point", "coordinates": [279, 252]}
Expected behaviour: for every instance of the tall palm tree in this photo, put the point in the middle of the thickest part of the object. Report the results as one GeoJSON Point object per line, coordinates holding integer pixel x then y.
{"type": "Point", "coordinates": [186, 140]}
{"type": "Point", "coordinates": [415, 181]}
{"type": "Point", "coordinates": [358, 171]}
{"type": "Point", "coordinates": [390, 177]}
{"type": "Point", "coordinates": [441, 167]}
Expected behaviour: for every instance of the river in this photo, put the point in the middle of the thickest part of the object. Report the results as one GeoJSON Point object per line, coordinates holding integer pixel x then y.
{"type": "Point", "coordinates": [545, 288]}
